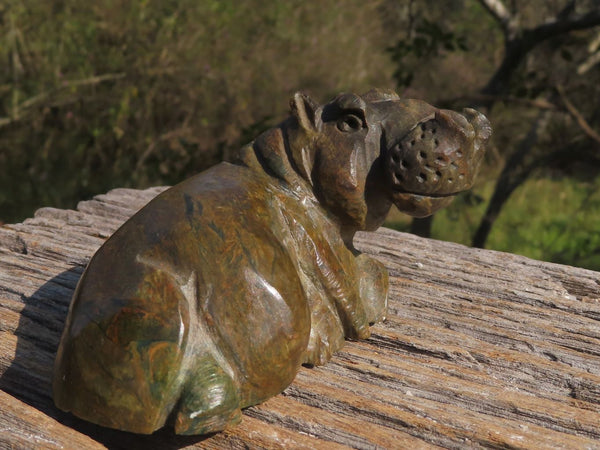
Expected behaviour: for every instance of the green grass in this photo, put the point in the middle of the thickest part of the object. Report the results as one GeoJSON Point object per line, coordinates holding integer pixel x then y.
{"type": "Point", "coordinates": [551, 219]}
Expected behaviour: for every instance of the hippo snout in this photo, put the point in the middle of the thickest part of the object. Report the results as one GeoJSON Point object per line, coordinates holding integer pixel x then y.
{"type": "Point", "coordinates": [438, 158]}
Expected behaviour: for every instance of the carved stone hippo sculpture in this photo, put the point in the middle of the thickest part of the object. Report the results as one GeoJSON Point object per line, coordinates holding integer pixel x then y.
{"type": "Point", "coordinates": [210, 297]}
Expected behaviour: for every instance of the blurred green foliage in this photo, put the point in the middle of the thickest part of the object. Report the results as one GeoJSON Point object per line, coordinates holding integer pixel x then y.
{"type": "Point", "coordinates": [97, 95]}
{"type": "Point", "coordinates": [104, 94]}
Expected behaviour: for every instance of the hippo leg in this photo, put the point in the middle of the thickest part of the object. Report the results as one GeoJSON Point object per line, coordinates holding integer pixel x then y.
{"type": "Point", "coordinates": [373, 287]}
{"type": "Point", "coordinates": [209, 400]}
{"type": "Point", "coordinates": [326, 331]}
{"type": "Point", "coordinates": [122, 370]}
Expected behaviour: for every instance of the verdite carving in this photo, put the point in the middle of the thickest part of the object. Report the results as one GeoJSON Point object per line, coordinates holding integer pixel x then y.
{"type": "Point", "coordinates": [210, 297]}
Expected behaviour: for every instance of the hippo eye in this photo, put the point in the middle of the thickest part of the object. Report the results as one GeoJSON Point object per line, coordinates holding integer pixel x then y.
{"type": "Point", "coordinates": [349, 122]}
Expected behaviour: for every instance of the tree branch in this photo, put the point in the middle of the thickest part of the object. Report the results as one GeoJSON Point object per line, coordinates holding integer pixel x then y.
{"type": "Point", "coordinates": [583, 124]}
{"type": "Point", "coordinates": [593, 58]}
{"type": "Point", "coordinates": [519, 42]}
{"type": "Point", "coordinates": [563, 25]}
{"type": "Point", "coordinates": [32, 101]}
{"type": "Point", "coordinates": [590, 62]}
{"type": "Point", "coordinates": [497, 9]}
{"type": "Point", "coordinates": [539, 103]}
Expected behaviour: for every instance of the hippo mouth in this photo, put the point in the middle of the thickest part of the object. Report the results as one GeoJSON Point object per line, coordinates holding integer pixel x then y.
{"type": "Point", "coordinates": [417, 205]}
{"type": "Point", "coordinates": [450, 194]}
{"type": "Point", "coordinates": [436, 160]}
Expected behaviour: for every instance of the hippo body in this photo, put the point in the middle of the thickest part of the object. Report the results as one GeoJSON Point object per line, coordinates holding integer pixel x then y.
{"type": "Point", "coordinates": [210, 297]}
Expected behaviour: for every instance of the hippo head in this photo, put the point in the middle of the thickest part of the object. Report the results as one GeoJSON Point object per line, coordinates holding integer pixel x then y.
{"type": "Point", "coordinates": [361, 153]}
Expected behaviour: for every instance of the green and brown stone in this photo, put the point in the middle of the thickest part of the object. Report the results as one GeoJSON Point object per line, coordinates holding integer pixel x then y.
{"type": "Point", "coordinates": [210, 297]}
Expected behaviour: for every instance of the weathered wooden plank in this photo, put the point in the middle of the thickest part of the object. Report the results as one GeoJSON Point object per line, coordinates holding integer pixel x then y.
{"type": "Point", "coordinates": [480, 349]}
{"type": "Point", "coordinates": [25, 427]}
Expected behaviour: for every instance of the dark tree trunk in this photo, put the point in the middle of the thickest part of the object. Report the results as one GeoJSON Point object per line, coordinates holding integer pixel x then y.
{"type": "Point", "coordinates": [421, 226]}
{"type": "Point", "coordinates": [504, 189]}
{"type": "Point", "coordinates": [514, 173]}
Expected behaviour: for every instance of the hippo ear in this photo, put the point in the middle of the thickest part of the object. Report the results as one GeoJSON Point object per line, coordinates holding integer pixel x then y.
{"type": "Point", "coordinates": [304, 109]}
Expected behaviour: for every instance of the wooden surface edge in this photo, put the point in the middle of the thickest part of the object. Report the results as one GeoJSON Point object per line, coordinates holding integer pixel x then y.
{"type": "Point", "coordinates": [480, 349]}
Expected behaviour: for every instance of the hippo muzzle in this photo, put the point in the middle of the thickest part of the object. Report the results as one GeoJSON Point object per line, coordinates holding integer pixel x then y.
{"type": "Point", "coordinates": [432, 156]}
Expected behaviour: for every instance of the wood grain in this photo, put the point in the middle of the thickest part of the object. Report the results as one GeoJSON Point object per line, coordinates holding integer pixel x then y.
{"type": "Point", "coordinates": [480, 349]}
